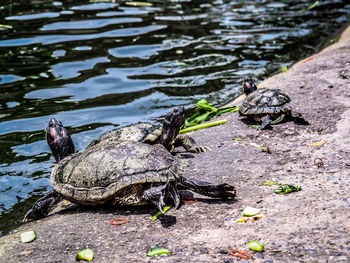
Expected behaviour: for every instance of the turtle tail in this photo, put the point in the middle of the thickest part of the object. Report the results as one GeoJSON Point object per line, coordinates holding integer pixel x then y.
{"type": "Point", "coordinates": [222, 191]}
{"type": "Point", "coordinates": [298, 118]}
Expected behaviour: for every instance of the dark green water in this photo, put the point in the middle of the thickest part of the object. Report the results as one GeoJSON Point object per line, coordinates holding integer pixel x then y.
{"type": "Point", "coordinates": [97, 65]}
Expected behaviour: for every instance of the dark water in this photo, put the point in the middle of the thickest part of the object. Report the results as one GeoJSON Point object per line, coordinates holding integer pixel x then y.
{"type": "Point", "coordinates": [95, 65]}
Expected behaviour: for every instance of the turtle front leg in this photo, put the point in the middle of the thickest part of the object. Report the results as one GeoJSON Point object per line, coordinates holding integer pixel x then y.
{"type": "Point", "coordinates": [223, 191]}
{"type": "Point", "coordinates": [43, 206]}
{"type": "Point", "coordinates": [297, 118]}
{"type": "Point", "coordinates": [189, 144]}
{"type": "Point", "coordinates": [265, 122]}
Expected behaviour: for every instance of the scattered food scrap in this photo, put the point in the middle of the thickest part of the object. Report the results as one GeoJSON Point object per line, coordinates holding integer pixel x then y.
{"type": "Point", "coordinates": [120, 221]}
{"type": "Point", "coordinates": [242, 255]}
{"type": "Point", "coordinates": [320, 143]}
{"type": "Point", "coordinates": [284, 188]}
{"type": "Point", "coordinates": [308, 59]}
{"type": "Point", "coordinates": [250, 211]}
{"type": "Point", "coordinates": [157, 251]}
{"type": "Point", "coordinates": [159, 213]}
{"type": "Point", "coordinates": [27, 237]}
{"type": "Point", "coordinates": [255, 246]}
{"type": "Point", "coordinates": [85, 254]}
{"type": "Point", "coordinates": [249, 219]}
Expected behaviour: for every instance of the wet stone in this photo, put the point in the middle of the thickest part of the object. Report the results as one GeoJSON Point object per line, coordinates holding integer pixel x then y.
{"type": "Point", "coordinates": [204, 250]}
{"type": "Point", "coordinates": [222, 251]}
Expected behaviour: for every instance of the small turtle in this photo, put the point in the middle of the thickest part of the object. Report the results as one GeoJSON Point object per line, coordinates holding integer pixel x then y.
{"type": "Point", "coordinates": [267, 106]}
{"type": "Point", "coordinates": [117, 173]}
{"type": "Point", "coordinates": [149, 133]}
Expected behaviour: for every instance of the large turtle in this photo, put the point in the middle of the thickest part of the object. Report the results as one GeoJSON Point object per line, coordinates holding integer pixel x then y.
{"type": "Point", "coordinates": [117, 173]}
{"type": "Point", "coordinates": [267, 106]}
{"type": "Point", "coordinates": [149, 133]}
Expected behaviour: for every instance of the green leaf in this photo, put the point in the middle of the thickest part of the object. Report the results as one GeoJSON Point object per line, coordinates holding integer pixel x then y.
{"type": "Point", "coordinates": [28, 236]}
{"type": "Point", "coordinates": [157, 251]}
{"type": "Point", "coordinates": [85, 254]}
{"type": "Point", "coordinates": [255, 246]}
{"type": "Point", "coordinates": [205, 111]}
{"type": "Point", "coordinates": [159, 213]}
{"type": "Point", "coordinates": [250, 211]}
{"type": "Point", "coordinates": [287, 188]}
{"type": "Point", "coordinates": [203, 104]}
{"type": "Point", "coordinates": [139, 3]}
{"type": "Point", "coordinates": [199, 119]}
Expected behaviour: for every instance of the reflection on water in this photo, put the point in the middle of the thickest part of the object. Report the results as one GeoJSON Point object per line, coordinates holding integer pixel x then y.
{"type": "Point", "coordinates": [96, 65]}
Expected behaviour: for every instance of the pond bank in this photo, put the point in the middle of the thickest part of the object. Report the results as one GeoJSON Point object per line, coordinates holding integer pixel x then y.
{"type": "Point", "coordinates": [311, 225]}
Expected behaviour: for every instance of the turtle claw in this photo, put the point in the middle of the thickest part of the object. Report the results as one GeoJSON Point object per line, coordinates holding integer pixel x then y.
{"type": "Point", "coordinates": [174, 194]}
{"type": "Point", "coordinates": [157, 195]}
{"type": "Point", "coordinates": [201, 149]}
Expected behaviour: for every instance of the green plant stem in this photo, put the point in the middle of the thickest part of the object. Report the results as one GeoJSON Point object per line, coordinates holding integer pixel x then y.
{"type": "Point", "coordinates": [206, 125]}
{"type": "Point", "coordinates": [159, 213]}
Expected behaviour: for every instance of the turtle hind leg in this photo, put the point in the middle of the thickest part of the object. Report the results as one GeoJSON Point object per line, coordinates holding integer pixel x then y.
{"type": "Point", "coordinates": [158, 195]}
{"type": "Point", "coordinates": [42, 207]}
{"type": "Point", "coordinates": [223, 191]}
{"type": "Point", "coordinates": [297, 118]}
{"type": "Point", "coordinates": [189, 144]}
{"type": "Point", "coordinates": [265, 122]}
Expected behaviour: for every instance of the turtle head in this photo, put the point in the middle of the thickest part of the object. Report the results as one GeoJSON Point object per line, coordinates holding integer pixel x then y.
{"type": "Point", "coordinates": [58, 139]}
{"type": "Point", "coordinates": [248, 85]}
{"type": "Point", "coordinates": [171, 126]}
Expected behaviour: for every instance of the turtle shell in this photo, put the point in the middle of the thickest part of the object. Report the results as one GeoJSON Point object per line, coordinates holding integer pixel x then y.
{"type": "Point", "coordinates": [266, 101]}
{"type": "Point", "coordinates": [116, 173]}
{"type": "Point", "coordinates": [140, 132]}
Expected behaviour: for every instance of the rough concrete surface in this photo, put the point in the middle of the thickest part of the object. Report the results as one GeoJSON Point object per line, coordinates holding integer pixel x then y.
{"type": "Point", "coordinates": [311, 225]}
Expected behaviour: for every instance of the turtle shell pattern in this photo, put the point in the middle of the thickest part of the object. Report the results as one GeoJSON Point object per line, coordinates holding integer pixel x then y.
{"type": "Point", "coordinates": [115, 173]}
{"type": "Point", "coordinates": [266, 101]}
{"type": "Point", "coordinates": [139, 132]}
